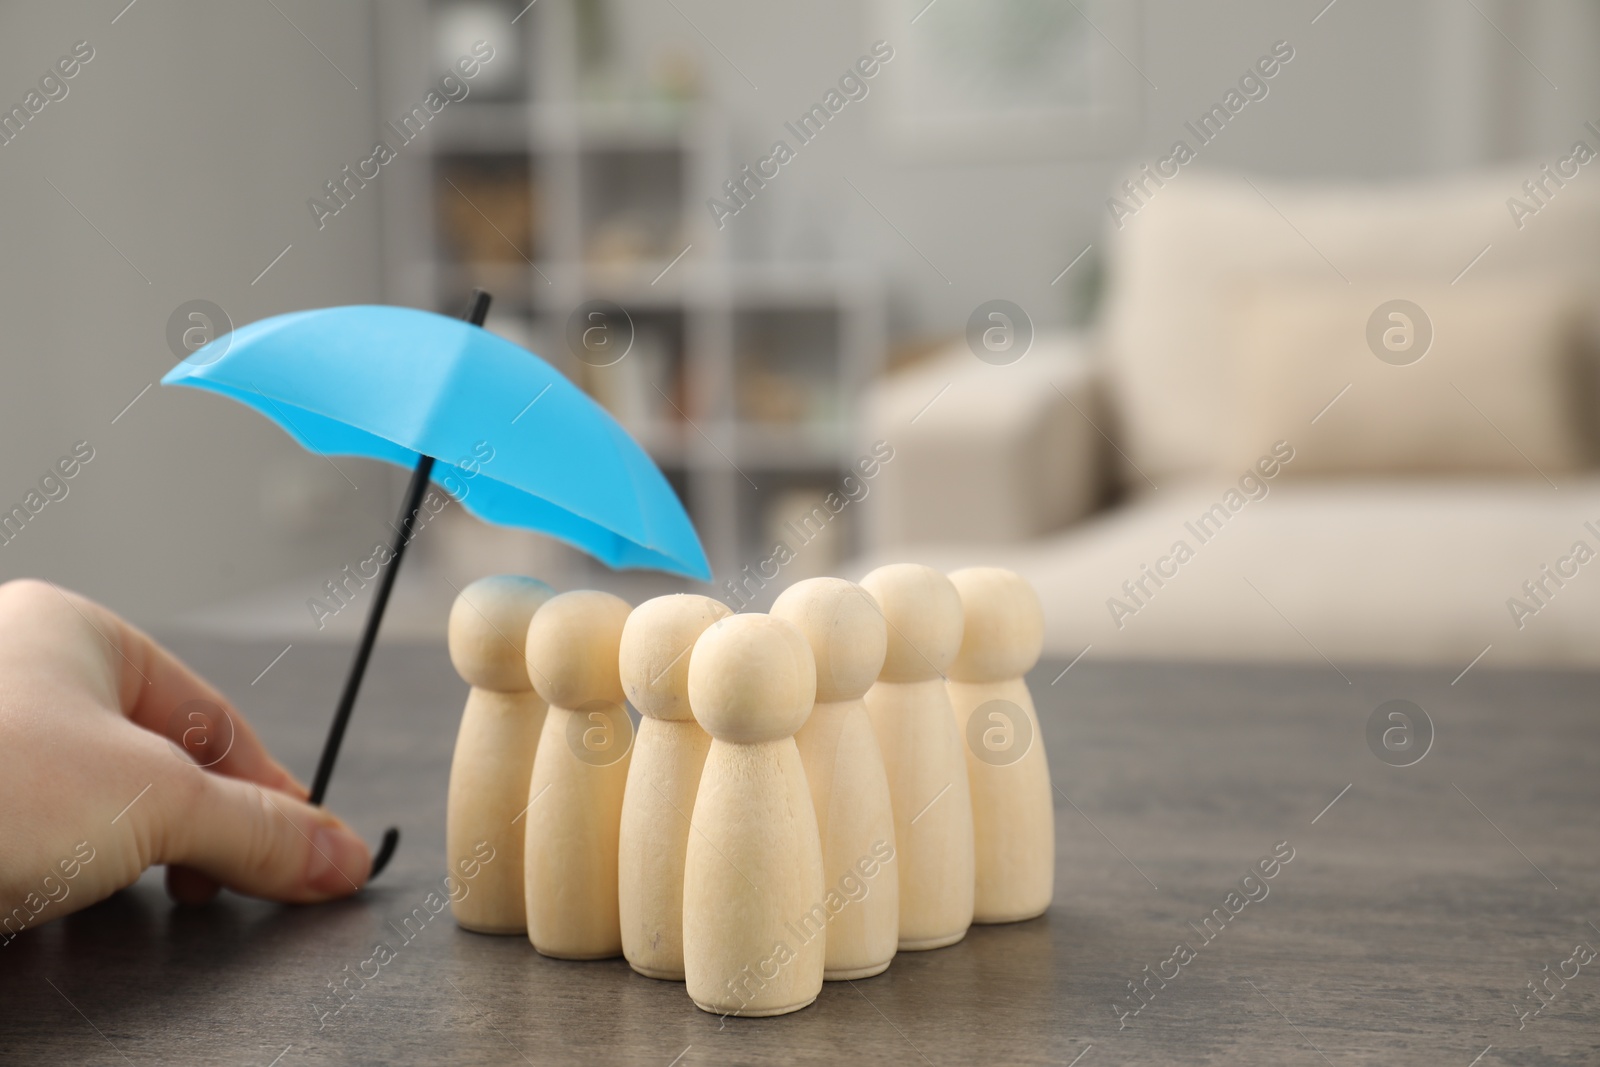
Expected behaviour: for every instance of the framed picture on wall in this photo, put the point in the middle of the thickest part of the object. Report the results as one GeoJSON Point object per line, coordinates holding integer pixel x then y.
{"type": "Point", "coordinates": [1007, 79]}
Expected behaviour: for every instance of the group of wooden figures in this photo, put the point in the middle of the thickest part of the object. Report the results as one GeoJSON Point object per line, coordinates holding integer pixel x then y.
{"type": "Point", "coordinates": [858, 772]}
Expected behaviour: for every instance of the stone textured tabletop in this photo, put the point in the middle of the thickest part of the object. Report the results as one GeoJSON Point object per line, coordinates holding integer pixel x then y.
{"type": "Point", "coordinates": [1418, 904]}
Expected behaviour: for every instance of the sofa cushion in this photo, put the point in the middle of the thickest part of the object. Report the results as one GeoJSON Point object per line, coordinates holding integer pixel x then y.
{"type": "Point", "coordinates": [1478, 377]}
{"type": "Point", "coordinates": [1171, 265]}
{"type": "Point", "coordinates": [1427, 572]}
{"type": "Point", "coordinates": [985, 454]}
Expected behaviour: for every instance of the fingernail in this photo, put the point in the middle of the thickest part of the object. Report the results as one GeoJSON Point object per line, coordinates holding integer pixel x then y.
{"type": "Point", "coordinates": [339, 861]}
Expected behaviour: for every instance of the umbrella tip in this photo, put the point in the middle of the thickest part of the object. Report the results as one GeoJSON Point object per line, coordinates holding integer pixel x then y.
{"type": "Point", "coordinates": [478, 307]}
{"type": "Point", "coordinates": [391, 838]}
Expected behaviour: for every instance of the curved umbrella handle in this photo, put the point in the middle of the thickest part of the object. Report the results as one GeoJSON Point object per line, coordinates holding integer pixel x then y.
{"type": "Point", "coordinates": [477, 311]}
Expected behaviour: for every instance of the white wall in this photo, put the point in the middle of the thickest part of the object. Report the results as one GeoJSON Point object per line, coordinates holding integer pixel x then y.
{"type": "Point", "coordinates": [191, 140]}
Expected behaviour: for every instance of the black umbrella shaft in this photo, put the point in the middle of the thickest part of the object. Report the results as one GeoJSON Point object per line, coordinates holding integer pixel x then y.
{"type": "Point", "coordinates": [477, 311]}
{"type": "Point", "coordinates": [369, 633]}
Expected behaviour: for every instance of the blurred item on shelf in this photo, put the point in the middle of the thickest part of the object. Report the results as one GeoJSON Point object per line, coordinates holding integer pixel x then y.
{"type": "Point", "coordinates": [460, 24]}
{"type": "Point", "coordinates": [768, 396]}
{"type": "Point", "coordinates": [676, 75]}
{"type": "Point", "coordinates": [800, 519]}
{"type": "Point", "coordinates": [786, 366]}
{"type": "Point", "coordinates": [633, 209]}
{"type": "Point", "coordinates": [627, 239]}
{"type": "Point", "coordinates": [642, 390]}
{"type": "Point", "coordinates": [486, 209]}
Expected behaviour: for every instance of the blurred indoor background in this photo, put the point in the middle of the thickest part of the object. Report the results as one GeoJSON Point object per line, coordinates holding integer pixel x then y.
{"type": "Point", "coordinates": [1163, 343]}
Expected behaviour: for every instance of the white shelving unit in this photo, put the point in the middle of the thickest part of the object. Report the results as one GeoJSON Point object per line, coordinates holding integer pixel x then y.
{"type": "Point", "coordinates": [753, 368]}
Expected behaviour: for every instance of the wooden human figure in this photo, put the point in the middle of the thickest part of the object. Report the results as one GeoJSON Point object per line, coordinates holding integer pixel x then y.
{"type": "Point", "coordinates": [575, 791]}
{"type": "Point", "coordinates": [922, 753]}
{"type": "Point", "coordinates": [754, 921]}
{"type": "Point", "coordinates": [844, 769]}
{"type": "Point", "coordinates": [1012, 812]}
{"type": "Point", "coordinates": [663, 777]}
{"type": "Point", "coordinates": [494, 748]}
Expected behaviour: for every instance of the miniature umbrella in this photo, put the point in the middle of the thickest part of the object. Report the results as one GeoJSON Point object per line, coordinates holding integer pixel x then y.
{"type": "Point", "coordinates": [409, 386]}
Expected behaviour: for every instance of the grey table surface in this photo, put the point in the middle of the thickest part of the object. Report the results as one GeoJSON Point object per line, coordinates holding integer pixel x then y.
{"type": "Point", "coordinates": [1415, 910]}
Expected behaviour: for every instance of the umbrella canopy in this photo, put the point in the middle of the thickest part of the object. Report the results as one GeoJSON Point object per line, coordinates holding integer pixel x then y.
{"type": "Point", "coordinates": [396, 384]}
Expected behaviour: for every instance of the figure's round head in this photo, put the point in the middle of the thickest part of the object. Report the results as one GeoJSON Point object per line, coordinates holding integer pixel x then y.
{"type": "Point", "coordinates": [1004, 631]}
{"type": "Point", "coordinates": [488, 628]}
{"type": "Point", "coordinates": [657, 645]}
{"type": "Point", "coordinates": [752, 679]}
{"type": "Point", "coordinates": [572, 648]}
{"type": "Point", "coordinates": [923, 612]}
{"type": "Point", "coordinates": [842, 624]}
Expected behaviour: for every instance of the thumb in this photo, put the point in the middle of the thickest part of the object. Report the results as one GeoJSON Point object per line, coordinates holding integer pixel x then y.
{"type": "Point", "coordinates": [263, 843]}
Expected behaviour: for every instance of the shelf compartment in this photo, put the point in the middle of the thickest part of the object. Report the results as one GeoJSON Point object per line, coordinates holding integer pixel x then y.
{"type": "Point", "coordinates": [486, 209]}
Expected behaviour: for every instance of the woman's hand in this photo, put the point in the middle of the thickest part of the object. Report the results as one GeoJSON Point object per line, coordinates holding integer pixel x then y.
{"type": "Point", "coordinates": [103, 734]}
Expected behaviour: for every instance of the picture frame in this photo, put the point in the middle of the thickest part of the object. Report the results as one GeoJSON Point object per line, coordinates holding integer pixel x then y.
{"type": "Point", "coordinates": [976, 80]}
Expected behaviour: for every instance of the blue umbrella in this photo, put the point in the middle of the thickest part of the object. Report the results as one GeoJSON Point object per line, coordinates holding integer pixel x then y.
{"type": "Point", "coordinates": [409, 386]}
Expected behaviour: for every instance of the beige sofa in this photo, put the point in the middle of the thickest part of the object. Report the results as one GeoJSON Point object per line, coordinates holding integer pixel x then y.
{"type": "Point", "coordinates": [1252, 457]}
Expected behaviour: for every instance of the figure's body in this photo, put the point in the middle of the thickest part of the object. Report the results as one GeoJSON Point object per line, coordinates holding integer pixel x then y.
{"type": "Point", "coordinates": [494, 748]}
{"type": "Point", "coordinates": [753, 941]}
{"type": "Point", "coordinates": [922, 753]}
{"type": "Point", "coordinates": [1013, 816]}
{"type": "Point", "coordinates": [579, 772]}
{"type": "Point", "coordinates": [844, 769]}
{"type": "Point", "coordinates": [663, 777]}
